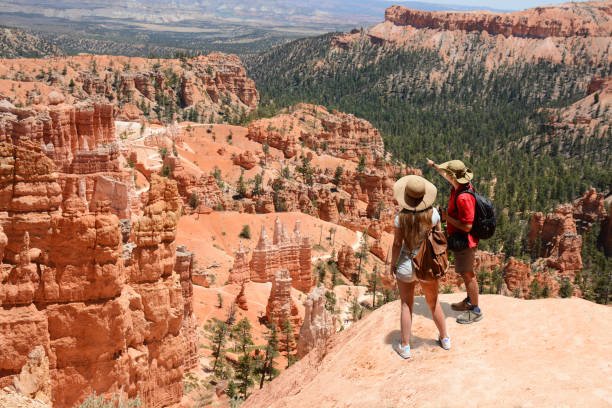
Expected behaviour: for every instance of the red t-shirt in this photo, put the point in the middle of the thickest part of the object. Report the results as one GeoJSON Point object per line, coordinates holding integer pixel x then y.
{"type": "Point", "coordinates": [465, 211]}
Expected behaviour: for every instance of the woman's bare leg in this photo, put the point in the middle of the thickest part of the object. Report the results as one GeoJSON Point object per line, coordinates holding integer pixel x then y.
{"type": "Point", "coordinates": [406, 291]}
{"type": "Point", "coordinates": [430, 288]}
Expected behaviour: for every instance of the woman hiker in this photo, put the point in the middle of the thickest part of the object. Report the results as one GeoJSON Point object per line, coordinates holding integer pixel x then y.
{"type": "Point", "coordinates": [412, 224]}
{"type": "Point", "coordinates": [459, 219]}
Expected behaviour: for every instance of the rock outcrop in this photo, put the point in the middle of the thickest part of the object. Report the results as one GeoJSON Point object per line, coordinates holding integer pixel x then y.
{"type": "Point", "coordinates": [241, 270]}
{"type": "Point", "coordinates": [605, 235]}
{"type": "Point", "coordinates": [200, 87]}
{"type": "Point", "coordinates": [568, 20]}
{"type": "Point", "coordinates": [555, 238]}
{"type": "Point", "coordinates": [337, 134]}
{"type": "Point", "coordinates": [108, 316]}
{"type": "Point", "coordinates": [565, 33]}
{"type": "Point", "coordinates": [292, 253]}
{"type": "Point", "coordinates": [588, 210]}
{"type": "Point", "coordinates": [80, 139]}
{"type": "Point", "coordinates": [241, 299]}
{"type": "Point", "coordinates": [319, 323]}
{"type": "Point", "coordinates": [281, 307]}
{"type": "Point", "coordinates": [246, 159]}
{"type": "Point", "coordinates": [347, 263]}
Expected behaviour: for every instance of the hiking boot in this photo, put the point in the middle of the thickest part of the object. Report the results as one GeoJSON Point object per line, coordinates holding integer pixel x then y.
{"type": "Point", "coordinates": [463, 305]}
{"type": "Point", "coordinates": [404, 351]}
{"type": "Point", "coordinates": [469, 316]}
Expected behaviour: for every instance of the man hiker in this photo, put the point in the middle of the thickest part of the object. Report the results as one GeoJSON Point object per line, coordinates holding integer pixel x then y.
{"type": "Point", "coordinates": [459, 218]}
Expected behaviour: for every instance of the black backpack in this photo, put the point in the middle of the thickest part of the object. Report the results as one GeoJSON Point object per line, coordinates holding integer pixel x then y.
{"type": "Point", "coordinates": [485, 220]}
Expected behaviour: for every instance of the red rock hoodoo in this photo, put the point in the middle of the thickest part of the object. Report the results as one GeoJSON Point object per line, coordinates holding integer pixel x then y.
{"type": "Point", "coordinates": [108, 316]}
{"type": "Point", "coordinates": [280, 305]}
{"type": "Point", "coordinates": [555, 238]}
{"type": "Point", "coordinates": [319, 323]}
{"type": "Point", "coordinates": [292, 253]}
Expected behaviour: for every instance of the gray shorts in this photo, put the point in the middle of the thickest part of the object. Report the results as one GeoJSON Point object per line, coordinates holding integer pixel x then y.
{"type": "Point", "coordinates": [464, 260]}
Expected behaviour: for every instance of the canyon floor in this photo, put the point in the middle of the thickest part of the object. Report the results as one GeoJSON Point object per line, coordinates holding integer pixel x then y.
{"type": "Point", "coordinates": [536, 353]}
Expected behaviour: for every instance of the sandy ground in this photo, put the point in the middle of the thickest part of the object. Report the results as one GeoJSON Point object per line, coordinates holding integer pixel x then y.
{"type": "Point", "coordinates": [524, 353]}
{"type": "Point", "coordinates": [214, 237]}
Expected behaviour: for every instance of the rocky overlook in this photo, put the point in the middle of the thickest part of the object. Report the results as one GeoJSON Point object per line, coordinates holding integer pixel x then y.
{"type": "Point", "coordinates": [358, 367]}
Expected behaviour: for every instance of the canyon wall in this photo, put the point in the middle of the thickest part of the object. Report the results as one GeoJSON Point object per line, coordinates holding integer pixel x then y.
{"type": "Point", "coordinates": [110, 316]}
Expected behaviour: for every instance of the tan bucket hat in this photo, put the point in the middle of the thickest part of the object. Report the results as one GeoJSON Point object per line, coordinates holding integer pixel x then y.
{"type": "Point", "coordinates": [414, 193]}
{"type": "Point", "coordinates": [458, 171]}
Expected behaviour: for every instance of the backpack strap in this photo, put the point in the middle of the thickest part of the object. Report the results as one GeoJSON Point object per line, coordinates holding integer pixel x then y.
{"type": "Point", "coordinates": [469, 190]}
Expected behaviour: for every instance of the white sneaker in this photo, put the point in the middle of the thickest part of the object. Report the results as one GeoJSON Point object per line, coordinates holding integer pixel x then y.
{"type": "Point", "coordinates": [445, 343]}
{"type": "Point", "coordinates": [404, 351]}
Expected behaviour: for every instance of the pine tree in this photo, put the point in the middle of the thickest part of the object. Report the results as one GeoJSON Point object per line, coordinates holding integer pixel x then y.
{"type": "Point", "coordinates": [363, 253]}
{"type": "Point", "coordinates": [267, 368]}
{"type": "Point", "coordinates": [338, 176]}
{"type": "Point", "coordinates": [216, 333]}
{"type": "Point", "coordinates": [244, 379]}
{"type": "Point", "coordinates": [362, 164]}
{"type": "Point", "coordinates": [374, 283]}
{"type": "Point", "coordinates": [241, 185]}
{"type": "Point", "coordinates": [266, 150]}
{"type": "Point", "coordinates": [288, 341]}
{"type": "Point", "coordinates": [242, 335]}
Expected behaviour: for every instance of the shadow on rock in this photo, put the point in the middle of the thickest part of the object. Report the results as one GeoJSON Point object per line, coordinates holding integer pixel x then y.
{"type": "Point", "coordinates": [415, 341]}
{"type": "Point", "coordinates": [421, 308]}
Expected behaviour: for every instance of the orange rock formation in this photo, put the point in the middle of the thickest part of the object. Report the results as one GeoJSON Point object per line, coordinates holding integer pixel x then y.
{"type": "Point", "coordinates": [319, 324]}
{"type": "Point", "coordinates": [241, 271]}
{"type": "Point", "coordinates": [337, 134]}
{"type": "Point", "coordinates": [359, 368]}
{"type": "Point", "coordinates": [568, 20]}
{"type": "Point", "coordinates": [280, 305]}
{"type": "Point", "coordinates": [558, 241]}
{"type": "Point", "coordinates": [108, 316]}
{"type": "Point", "coordinates": [292, 253]}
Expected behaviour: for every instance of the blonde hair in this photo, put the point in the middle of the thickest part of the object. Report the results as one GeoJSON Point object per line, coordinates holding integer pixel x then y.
{"type": "Point", "coordinates": [413, 227]}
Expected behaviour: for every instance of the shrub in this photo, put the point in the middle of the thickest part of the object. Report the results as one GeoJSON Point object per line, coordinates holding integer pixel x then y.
{"type": "Point", "coordinates": [246, 232]}
{"type": "Point", "coordinates": [566, 289]}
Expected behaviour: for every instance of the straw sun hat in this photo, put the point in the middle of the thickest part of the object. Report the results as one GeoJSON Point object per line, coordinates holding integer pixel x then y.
{"type": "Point", "coordinates": [458, 171]}
{"type": "Point", "coordinates": [414, 193]}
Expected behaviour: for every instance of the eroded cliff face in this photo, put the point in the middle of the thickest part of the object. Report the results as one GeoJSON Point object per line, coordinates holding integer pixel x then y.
{"type": "Point", "coordinates": [568, 20]}
{"type": "Point", "coordinates": [108, 316]}
{"type": "Point", "coordinates": [206, 84]}
{"type": "Point", "coordinates": [337, 134]}
{"type": "Point", "coordinates": [556, 239]}
{"type": "Point", "coordinates": [80, 140]}
{"type": "Point", "coordinates": [563, 33]}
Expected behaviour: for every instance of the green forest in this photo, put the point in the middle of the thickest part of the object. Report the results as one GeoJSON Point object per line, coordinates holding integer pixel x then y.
{"type": "Point", "coordinates": [470, 114]}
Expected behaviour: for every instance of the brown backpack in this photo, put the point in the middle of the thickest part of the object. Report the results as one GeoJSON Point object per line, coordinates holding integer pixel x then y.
{"type": "Point", "coordinates": [431, 262]}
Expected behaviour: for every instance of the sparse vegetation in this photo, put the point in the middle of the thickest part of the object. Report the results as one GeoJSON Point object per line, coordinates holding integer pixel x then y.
{"type": "Point", "coordinates": [245, 232]}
